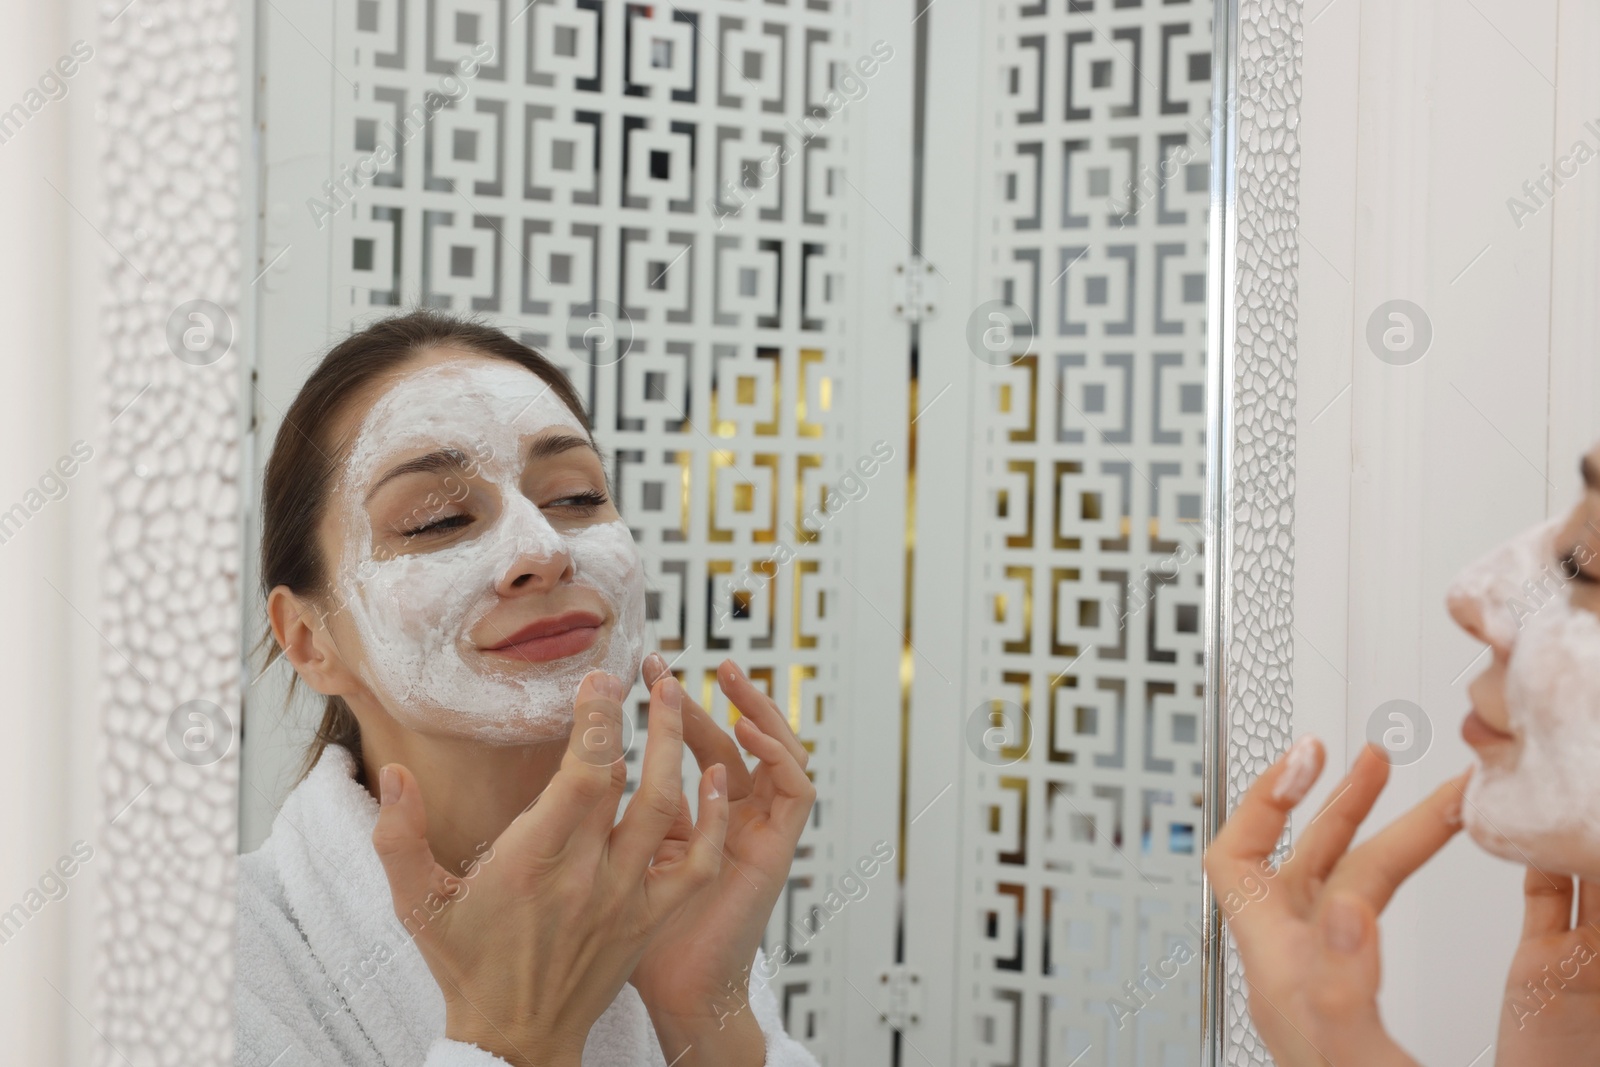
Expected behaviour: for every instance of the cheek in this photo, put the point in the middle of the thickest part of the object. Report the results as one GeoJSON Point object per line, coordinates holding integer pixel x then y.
{"type": "Point", "coordinates": [607, 560]}
{"type": "Point", "coordinates": [1553, 683]}
{"type": "Point", "coordinates": [425, 599]}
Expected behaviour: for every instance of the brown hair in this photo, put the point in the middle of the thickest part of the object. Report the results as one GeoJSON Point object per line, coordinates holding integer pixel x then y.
{"type": "Point", "coordinates": [300, 471]}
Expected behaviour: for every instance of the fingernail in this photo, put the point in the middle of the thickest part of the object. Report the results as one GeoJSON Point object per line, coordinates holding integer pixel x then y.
{"type": "Point", "coordinates": [734, 667]}
{"type": "Point", "coordinates": [672, 693]}
{"type": "Point", "coordinates": [719, 781]}
{"type": "Point", "coordinates": [1341, 925]}
{"type": "Point", "coordinates": [1452, 813]}
{"type": "Point", "coordinates": [653, 666]}
{"type": "Point", "coordinates": [388, 787]}
{"type": "Point", "coordinates": [1299, 771]}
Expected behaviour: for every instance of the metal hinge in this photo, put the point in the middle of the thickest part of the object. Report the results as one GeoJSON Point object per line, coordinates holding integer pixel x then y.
{"type": "Point", "coordinates": [914, 297]}
{"type": "Point", "coordinates": [899, 997]}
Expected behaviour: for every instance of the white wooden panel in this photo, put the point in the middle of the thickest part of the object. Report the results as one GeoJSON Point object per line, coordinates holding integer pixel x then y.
{"type": "Point", "coordinates": [1575, 251]}
{"type": "Point", "coordinates": [1420, 467]}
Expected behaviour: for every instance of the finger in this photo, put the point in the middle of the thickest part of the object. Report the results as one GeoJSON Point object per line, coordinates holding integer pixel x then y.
{"type": "Point", "coordinates": [401, 841]}
{"type": "Point", "coordinates": [1329, 832]}
{"type": "Point", "coordinates": [711, 744]}
{"type": "Point", "coordinates": [672, 884]}
{"type": "Point", "coordinates": [676, 843]}
{"type": "Point", "coordinates": [794, 795]}
{"type": "Point", "coordinates": [1546, 903]}
{"type": "Point", "coordinates": [1375, 869]}
{"type": "Point", "coordinates": [654, 806]}
{"type": "Point", "coordinates": [752, 701]}
{"type": "Point", "coordinates": [584, 792]}
{"type": "Point", "coordinates": [1253, 830]}
{"type": "Point", "coordinates": [654, 667]}
{"type": "Point", "coordinates": [1238, 864]}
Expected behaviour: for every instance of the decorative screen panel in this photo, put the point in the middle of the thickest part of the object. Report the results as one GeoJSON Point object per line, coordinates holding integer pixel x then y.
{"type": "Point", "coordinates": [652, 196]}
{"type": "Point", "coordinates": [1081, 907]}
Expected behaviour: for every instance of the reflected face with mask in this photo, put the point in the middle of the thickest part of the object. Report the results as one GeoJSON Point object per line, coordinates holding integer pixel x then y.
{"type": "Point", "coordinates": [479, 567]}
{"type": "Point", "coordinates": [1535, 719]}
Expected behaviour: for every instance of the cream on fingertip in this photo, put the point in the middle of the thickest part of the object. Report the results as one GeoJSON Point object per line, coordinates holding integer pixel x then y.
{"type": "Point", "coordinates": [654, 666]}
{"type": "Point", "coordinates": [1299, 770]}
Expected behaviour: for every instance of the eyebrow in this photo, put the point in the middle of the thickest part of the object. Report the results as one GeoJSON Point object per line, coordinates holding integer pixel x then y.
{"type": "Point", "coordinates": [1591, 474]}
{"type": "Point", "coordinates": [445, 459]}
{"type": "Point", "coordinates": [453, 459]}
{"type": "Point", "coordinates": [556, 444]}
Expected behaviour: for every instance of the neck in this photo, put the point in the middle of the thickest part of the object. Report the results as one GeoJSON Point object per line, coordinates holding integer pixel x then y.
{"type": "Point", "coordinates": [471, 790]}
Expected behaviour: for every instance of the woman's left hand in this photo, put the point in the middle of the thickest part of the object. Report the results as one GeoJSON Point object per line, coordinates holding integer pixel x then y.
{"type": "Point", "coordinates": [1307, 930]}
{"type": "Point", "coordinates": [695, 973]}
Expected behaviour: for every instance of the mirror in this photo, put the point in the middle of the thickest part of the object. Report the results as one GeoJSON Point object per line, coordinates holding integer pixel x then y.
{"type": "Point", "coordinates": [900, 382]}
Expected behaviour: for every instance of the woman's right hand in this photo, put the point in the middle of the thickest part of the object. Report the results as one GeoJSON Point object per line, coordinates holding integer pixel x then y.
{"type": "Point", "coordinates": [533, 949]}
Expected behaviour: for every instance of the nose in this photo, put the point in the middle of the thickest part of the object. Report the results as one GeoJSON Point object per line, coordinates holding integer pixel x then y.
{"type": "Point", "coordinates": [540, 560]}
{"type": "Point", "coordinates": [1474, 611]}
{"type": "Point", "coordinates": [1480, 599]}
{"type": "Point", "coordinates": [1491, 597]}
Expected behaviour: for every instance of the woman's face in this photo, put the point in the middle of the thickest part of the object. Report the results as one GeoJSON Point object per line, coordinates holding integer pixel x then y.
{"type": "Point", "coordinates": [1535, 720]}
{"type": "Point", "coordinates": [480, 569]}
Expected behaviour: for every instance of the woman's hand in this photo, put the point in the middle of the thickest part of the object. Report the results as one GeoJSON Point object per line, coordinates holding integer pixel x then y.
{"type": "Point", "coordinates": [535, 944]}
{"type": "Point", "coordinates": [1307, 931]}
{"type": "Point", "coordinates": [694, 976]}
{"type": "Point", "coordinates": [1552, 1006]}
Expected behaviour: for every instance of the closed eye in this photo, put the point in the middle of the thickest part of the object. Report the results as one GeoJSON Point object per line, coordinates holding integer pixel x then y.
{"type": "Point", "coordinates": [449, 522]}
{"type": "Point", "coordinates": [585, 502]}
{"type": "Point", "coordinates": [1571, 567]}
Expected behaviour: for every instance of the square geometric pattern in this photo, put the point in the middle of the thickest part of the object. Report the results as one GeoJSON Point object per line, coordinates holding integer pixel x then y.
{"type": "Point", "coordinates": [1080, 910]}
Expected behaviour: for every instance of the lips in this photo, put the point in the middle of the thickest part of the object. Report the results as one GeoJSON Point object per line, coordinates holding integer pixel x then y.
{"type": "Point", "coordinates": [1477, 732]}
{"type": "Point", "coordinates": [551, 638]}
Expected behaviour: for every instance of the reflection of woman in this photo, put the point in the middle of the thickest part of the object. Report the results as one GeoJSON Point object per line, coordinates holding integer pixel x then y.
{"type": "Point", "coordinates": [445, 564]}
{"type": "Point", "coordinates": [1307, 929]}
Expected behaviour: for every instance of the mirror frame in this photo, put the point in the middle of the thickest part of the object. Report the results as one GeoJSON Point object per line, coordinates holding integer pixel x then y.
{"type": "Point", "coordinates": [1250, 449]}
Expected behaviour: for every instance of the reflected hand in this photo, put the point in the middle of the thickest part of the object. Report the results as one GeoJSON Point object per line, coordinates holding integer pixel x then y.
{"type": "Point", "coordinates": [536, 943]}
{"type": "Point", "coordinates": [1307, 931]}
{"type": "Point", "coordinates": [694, 976]}
{"type": "Point", "coordinates": [1552, 1006]}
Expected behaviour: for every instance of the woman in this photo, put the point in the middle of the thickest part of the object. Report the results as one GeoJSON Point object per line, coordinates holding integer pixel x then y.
{"type": "Point", "coordinates": [1306, 929]}
{"type": "Point", "coordinates": [449, 884]}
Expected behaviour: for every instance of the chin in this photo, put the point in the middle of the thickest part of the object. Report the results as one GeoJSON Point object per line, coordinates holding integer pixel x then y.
{"type": "Point", "coordinates": [1532, 818]}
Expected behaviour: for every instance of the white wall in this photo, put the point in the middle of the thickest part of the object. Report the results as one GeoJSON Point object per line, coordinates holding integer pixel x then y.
{"type": "Point", "coordinates": [1420, 120]}
{"type": "Point", "coordinates": [49, 655]}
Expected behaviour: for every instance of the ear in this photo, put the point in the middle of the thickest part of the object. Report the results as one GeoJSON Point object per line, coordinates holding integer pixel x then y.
{"type": "Point", "coordinates": [300, 627]}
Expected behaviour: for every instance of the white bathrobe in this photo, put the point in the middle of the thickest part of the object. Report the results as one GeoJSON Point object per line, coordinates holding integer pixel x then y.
{"type": "Point", "coordinates": [327, 975]}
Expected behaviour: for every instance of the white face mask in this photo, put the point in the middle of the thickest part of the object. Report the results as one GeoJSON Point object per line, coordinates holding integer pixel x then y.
{"type": "Point", "coordinates": [415, 612]}
{"type": "Point", "coordinates": [1537, 800]}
